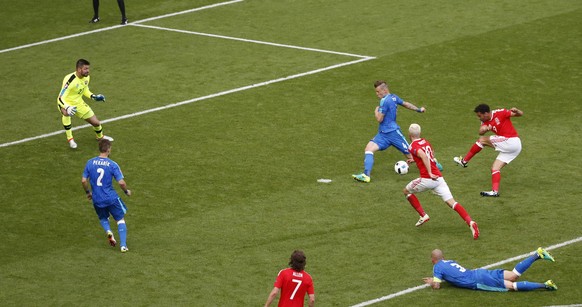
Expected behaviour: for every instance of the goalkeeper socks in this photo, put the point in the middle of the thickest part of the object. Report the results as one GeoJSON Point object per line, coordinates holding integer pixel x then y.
{"type": "Point", "coordinates": [105, 225]}
{"type": "Point", "coordinates": [98, 131]}
{"type": "Point", "coordinates": [473, 151]}
{"type": "Point", "coordinates": [521, 267]}
{"type": "Point", "coordinates": [368, 162]}
{"type": "Point", "coordinates": [122, 229]}
{"type": "Point", "coordinates": [461, 211]}
{"type": "Point", "coordinates": [66, 120]}
{"type": "Point", "coordinates": [415, 204]}
{"type": "Point", "coordinates": [495, 179]}
{"type": "Point", "coordinates": [528, 286]}
{"type": "Point", "coordinates": [69, 132]}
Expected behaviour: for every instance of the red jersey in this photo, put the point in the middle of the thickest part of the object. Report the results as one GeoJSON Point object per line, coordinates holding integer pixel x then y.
{"type": "Point", "coordinates": [425, 146]}
{"type": "Point", "coordinates": [293, 287]}
{"type": "Point", "coordinates": [501, 123]}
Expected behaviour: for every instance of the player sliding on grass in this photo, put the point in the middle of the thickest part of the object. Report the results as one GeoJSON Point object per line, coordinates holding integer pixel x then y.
{"type": "Point", "coordinates": [506, 141]}
{"type": "Point", "coordinates": [389, 133]}
{"type": "Point", "coordinates": [431, 179]}
{"type": "Point", "coordinates": [487, 280]}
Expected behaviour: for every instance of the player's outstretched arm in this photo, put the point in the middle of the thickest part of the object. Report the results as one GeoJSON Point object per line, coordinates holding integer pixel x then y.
{"type": "Point", "coordinates": [98, 97]}
{"type": "Point", "coordinates": [412, 107]}
{"type": "Point", "coordinates": [430, 281]}
{"type": "Point", "coordinates": [516, 112]}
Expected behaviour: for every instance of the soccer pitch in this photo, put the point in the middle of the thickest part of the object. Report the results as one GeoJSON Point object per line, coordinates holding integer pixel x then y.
{"type": "Point", "coordinates": [224, 116]}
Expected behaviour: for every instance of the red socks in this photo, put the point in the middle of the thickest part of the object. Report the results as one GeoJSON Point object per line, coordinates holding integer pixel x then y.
{"type": "Point", "coordinates": [473, 151]}
{"type": "Point", "coordinates": [461, 211]}
{"type": "Point", "coordinates": [415, 204]}
{"type": "Point", "coordinates": [495, 179]}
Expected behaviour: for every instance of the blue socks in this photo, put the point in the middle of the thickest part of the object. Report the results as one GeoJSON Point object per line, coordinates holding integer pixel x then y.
{"type": "Point", "coordinates": [105, 224]}
{"type": "Point", "coordinates": [528, 286]}
{"type": "Point", "coordinates": [122, 229]}
{"type": "Point", "coordinates": [368, 162]}
{"type": "Point", "coordinates": [521, 267]}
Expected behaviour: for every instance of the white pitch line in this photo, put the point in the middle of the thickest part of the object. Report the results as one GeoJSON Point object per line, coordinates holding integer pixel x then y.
{"type": "Point", "coordinates": [240, 89]}
{"type": "Point", "coordinates": [497, 264]}
{"type": "Point", "coordinates": [118, 26]}
{"type": "Point", "coordinates": [188, 11]}
{"type": "Point", "coordinates": [252, 41]}
{"type": "Point", "coordinates": [362, 58]}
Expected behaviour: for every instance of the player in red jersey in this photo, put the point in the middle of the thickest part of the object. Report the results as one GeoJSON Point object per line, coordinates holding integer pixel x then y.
{"type": "Point", "coordinates": [293, 283]}
{"type": "Point", "coordinates": [506, 141]}
{"type": "Point", "coordinates": [431, 179]}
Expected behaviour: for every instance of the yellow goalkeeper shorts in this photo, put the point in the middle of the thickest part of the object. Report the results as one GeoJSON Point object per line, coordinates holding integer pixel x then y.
{"type": "Point", "coordinates": [84, 111]}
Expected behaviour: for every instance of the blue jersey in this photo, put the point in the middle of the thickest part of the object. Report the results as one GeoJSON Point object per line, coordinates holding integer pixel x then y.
{"type": "Point", "coordinates": [388, 106]}
{"type": "Point", "coordinates": [101, 172]}
{"type": "Point", "coordinates": [450, 271]}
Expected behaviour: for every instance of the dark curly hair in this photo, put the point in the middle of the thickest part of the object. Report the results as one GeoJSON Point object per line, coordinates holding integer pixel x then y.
{"type": "Point", "coordinates": [297, 260]}
{"type": "Point", "coordinates": [482, 108]}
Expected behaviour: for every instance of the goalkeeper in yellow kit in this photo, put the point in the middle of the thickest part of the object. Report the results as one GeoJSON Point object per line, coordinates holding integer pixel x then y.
{"type": "Point", "coordinates": [70, 101]}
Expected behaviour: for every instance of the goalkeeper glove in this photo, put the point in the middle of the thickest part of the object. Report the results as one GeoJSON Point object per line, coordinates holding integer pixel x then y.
{"type": "Point", "coordinates": [71, 110]}
{"type": "Point", "coordinates": [98, 97]}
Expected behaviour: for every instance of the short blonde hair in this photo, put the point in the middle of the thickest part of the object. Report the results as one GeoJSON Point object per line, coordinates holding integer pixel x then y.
{"type": "Point", "coordinates": [414, 130]}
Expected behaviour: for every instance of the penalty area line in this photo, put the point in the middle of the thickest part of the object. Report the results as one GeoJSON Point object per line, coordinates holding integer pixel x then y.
{"type": "Point", "coordinates": [413, 289]}
{"type": "Point", "coordinates": [251, 41]}
{"type": "Point", "coordinates": [118, 26]}
{"type": "Point", "coordinates": [185, 102]}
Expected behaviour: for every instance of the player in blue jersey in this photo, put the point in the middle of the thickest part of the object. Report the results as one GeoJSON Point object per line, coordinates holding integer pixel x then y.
{"type": "Point", "coordinates": [99, 172]}
{"type": "Point", "coordinates": [487, 280]}
{"type": "Point", "coordinates": [389, 133]}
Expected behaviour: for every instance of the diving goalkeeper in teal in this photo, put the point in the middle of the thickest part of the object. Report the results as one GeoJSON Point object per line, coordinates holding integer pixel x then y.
{"type": "Point", "coordinates": [99, 173]}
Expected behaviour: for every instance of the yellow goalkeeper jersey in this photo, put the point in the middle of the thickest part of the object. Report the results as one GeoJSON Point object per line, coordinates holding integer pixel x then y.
{"type": "Point", "coordinates": [73, 90]}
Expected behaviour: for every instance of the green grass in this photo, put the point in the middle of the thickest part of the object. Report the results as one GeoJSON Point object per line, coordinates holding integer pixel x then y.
{"type": "Point", "coordinates": [225, 188]}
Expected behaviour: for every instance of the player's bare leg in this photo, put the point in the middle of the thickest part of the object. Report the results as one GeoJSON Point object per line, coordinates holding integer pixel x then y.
{"type": "Point", "coordinates": [486, 140]}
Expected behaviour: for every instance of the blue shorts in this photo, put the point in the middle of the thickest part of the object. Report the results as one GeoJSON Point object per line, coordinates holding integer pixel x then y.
{"type": "Point", "coordinates": [490, 280]}
{"type": "Point", "coordinates": [117, 209]}
{"type": "Point", "coordinates": [392, 138]}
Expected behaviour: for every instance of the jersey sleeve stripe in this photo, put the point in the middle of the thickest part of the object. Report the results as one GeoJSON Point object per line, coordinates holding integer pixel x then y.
{"type": "Point", "coordinates": [65, 87]}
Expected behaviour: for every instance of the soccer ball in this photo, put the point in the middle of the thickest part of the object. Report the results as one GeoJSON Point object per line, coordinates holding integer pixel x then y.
{"type": "Point", "coordinates": [401, 167]}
